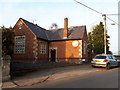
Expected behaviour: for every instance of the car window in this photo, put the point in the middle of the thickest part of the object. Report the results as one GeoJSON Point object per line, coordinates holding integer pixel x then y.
{"type": "Point", "coordinates": [114, 57]}
{"type": "Point", "coordinates": [110, 57]}
{"type": "Point", "coordinates": [100, 57]}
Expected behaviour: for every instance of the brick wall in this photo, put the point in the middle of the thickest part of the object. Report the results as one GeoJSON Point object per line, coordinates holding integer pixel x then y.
{"type": "Point", "coordinates": [66, 51]}
{"type": "Point", "coordinates": [60, 49]}
{"type": "Point", "coordinates": [85, 52]}
{"type": "Point", "coordinates": [29, 45]}
{"type": "Point", "coordinates": [43, 57]}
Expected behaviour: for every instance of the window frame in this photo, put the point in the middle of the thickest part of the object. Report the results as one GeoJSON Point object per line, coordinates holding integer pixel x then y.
{"type": "Point", "coordinates": [43, 48]}
{"type": "Point", "coordinates": [19, 47]}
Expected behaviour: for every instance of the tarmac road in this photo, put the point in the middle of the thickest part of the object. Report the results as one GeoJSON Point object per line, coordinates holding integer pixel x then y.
{"type": "Point", "coordinates": [81, 77]}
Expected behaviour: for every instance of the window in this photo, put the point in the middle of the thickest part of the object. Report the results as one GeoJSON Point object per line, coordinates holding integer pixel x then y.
{"type": "Point", "coordinates": [100, 57]}
{"type": "Point", "coordinates": [20, 26]}
{"type": "Point", "coordinates": [42, 49]}
{"type": "Point", "coordinates": [20, 44]}
{"type": "Point", "coordinates": [110, 57]}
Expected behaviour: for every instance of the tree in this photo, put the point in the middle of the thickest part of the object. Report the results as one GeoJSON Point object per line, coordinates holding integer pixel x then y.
{"type": "Point", "coordinates": [96, 40]}
{"type": "Point", "coordinates": [54, 26]}
{"type": "Point", "coordinates": [7, 40]}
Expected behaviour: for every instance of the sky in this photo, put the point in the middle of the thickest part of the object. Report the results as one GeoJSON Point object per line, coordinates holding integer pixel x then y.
{"type": "Point", "coordinates": [46, 12]}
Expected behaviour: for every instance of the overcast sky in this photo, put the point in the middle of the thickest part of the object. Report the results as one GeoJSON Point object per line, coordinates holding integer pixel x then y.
{"type": "Point", "coordinates": [46, 12]}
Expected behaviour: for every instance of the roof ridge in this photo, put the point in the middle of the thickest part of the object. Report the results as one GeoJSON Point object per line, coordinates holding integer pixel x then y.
{"type": "Point", "coordinates": [77, 26]}
{"type": "Point", "coordinates": [55, 34]}
{"type": "Point", "coordinates": [26, 20]}
{"type": "Point", "coordinates": [36, 29]}
{"type": "Point", "coordinates": [68, 27]}
{"type": "Point", "coordinates": [33, 24]}
{"type": "Point", "coordinates": [55, 29]}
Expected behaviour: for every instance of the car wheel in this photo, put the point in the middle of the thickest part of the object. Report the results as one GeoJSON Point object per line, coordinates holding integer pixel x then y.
{"type": "Point", "coordinates": [93, 66]}
{"type": "Point", "coordinates": [108, 66]}
{"type": "Point", "coordinates": [118, 64]}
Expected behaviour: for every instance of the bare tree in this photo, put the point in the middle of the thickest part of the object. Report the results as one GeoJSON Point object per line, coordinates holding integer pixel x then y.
{"type": "Point", "coordinates": [54, 26]}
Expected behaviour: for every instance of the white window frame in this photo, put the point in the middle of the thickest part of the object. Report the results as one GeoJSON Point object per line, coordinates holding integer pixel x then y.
{"type": "Point", "coordinates": [43, 48]}
{"type": "Point", "coordinates": [19, 44]}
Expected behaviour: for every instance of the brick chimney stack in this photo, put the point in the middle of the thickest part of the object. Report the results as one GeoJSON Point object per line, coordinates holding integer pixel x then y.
{"type": "Point", "coordinates": [65, 32]}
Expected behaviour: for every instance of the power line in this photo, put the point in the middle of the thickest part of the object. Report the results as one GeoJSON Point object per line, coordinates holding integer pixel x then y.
{"type": "Point", "coordinates": [112, 20]}
{"type": "Point", "coordinates": [105, 16]}
{"type": "Point", "coordinates": [112, 14]}
{"type": "Point", "coordinates": [88, 7]}
{"type": "Point", "coordinates": [98, 11]}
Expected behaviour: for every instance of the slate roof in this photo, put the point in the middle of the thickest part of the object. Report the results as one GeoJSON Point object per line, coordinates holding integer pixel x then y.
{"type": "Point", "coordinates": [37, 30]}
{"type": "Point", "coordinates": [74, 33]}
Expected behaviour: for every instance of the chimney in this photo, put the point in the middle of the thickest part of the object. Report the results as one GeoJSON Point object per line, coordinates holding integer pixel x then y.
{"type": "Point", "coordinates": [65, 32]}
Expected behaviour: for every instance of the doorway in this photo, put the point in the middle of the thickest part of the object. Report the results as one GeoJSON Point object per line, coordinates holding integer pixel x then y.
{"type": "Point", "coordinates": [53, 55]}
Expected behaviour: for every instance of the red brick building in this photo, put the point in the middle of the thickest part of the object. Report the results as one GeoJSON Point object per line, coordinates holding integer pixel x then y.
{"type": "Point", "coordinates": [36, 44]}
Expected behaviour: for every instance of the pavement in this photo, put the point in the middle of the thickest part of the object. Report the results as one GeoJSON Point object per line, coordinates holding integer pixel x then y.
{"type": "Point", "coordinates": [35, 77]}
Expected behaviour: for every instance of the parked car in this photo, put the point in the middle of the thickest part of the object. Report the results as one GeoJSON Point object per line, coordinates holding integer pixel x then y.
{"type": "Point", "coordinates": [118, 59]}
{"type": "Point", "coordinates": [104, 60]}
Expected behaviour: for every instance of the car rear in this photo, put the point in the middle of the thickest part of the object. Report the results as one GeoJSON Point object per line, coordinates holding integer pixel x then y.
{"type": "Point", "coordinates": [99, 60]}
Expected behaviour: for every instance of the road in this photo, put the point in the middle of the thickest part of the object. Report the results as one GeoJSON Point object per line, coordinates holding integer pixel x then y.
{"type": "Point", "coordinates": [81, 77]}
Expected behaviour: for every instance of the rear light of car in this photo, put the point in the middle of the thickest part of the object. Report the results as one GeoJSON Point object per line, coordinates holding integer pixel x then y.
{"type": "Point", "coordinates": [105, 60]}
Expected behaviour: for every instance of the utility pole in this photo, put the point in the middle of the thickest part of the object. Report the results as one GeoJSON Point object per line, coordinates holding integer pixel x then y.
{"type": "Point", "coordinates": [105, 43]}
{"type": "Point", "coordinates": [104, 15]}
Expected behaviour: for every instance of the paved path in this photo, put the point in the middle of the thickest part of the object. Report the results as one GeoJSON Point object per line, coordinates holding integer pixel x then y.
{"type": "Point", "coordinates": [92, 78]}
{"type": "Point", "coordinates": [36, 77]}
{"type": "Point", "coordinates": [46, 75]}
